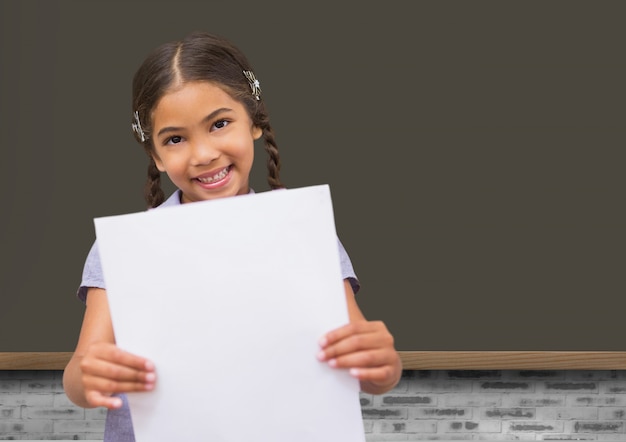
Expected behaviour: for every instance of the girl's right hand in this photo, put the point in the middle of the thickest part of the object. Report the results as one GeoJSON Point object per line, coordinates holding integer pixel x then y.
{"type": "Point", "coordinates": [106, 369]}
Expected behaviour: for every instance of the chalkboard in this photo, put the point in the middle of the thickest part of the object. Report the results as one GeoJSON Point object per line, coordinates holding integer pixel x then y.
{"type": "Point", "coordinates": [474, 151]}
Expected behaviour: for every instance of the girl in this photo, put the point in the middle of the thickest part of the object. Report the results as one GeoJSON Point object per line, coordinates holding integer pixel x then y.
{"type": "Point", "coordinates": [197, 110]}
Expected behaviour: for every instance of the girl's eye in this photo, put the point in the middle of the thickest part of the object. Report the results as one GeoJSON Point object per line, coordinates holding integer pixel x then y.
{"type": "Point", "coordinates": [220, 124]}
{"type": "Point", "coordinates": [174, 140]}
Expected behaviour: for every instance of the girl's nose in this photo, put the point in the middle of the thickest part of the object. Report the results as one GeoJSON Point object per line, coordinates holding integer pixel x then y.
{"type": "Point", "coordinates": [204, 152]}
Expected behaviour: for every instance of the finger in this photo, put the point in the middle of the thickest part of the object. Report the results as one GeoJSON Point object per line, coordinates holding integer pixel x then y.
{"type": "Point", "coordinates": [107, 386]}
{"type": "Point", "coordinates": [112, 353]}
{"type": "Point", "coordinates": [348, 345]}
{"type": "Point", "coordinates": [361, 327]}
{"type": "Point", "coordinates": [370, 340]}
{"type": "Point", "coordinates": [345, 331]}
{"type": "Point", "coordinates": [376, 375]}
{"type": "Point", "coordinates": [105, 369]}
{"type": "Point", "coordinates": [362, 359]}
{"type": "Point", "coordinates": [97, 399]}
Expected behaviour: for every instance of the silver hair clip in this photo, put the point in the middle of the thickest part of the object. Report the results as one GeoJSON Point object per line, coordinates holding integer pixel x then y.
{"type": "Point", "coordinates": [137, 128]}
{"type": "Point", "coordinates": [254, 84]}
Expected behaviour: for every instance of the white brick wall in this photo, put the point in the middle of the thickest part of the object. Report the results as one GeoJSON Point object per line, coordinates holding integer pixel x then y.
{"type": "Point", "coordinates": [500, 405]}
{"type": "Point", "coordinates": [426, 405]}
{"type": "Point", "coordinates": [33, 406]}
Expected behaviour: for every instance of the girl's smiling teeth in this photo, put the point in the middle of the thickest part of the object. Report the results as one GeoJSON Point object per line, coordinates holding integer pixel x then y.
{"type": "Point", "coordinates": [215, 177]}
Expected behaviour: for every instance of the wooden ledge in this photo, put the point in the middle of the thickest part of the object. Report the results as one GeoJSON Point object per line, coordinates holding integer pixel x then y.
{"type": "Point", "coordinates": [513, 360]}
{"type": "Point", "coordinates": [411, 360]}
{"type": "Point", "coordinates": [34, 360]}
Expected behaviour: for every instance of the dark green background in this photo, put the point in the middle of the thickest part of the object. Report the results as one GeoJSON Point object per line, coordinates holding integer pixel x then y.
{"type": "Point", "coordinates": [474, 151]}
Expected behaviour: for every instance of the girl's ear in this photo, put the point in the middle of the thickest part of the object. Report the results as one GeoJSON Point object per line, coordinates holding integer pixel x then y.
{"type": "Point", "coordinates": [158, 162]}
{"type": "Point", "coordinates": [256, 132]}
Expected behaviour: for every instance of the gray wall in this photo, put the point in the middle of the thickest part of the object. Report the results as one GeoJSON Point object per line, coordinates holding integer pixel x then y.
{"type": "Point", "coordinates": [426, 405]}
{"type": "Point", "coordinates": [474, 152]}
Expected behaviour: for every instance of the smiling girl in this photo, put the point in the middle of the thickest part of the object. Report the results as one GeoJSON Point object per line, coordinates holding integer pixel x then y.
{"type": "Point", "coordinates": [197, 110]}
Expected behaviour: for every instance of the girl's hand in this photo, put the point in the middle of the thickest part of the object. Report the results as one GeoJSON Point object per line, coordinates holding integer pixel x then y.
{"type": "Point", "coordinates": [99, 369]}
{"type": "Point", "coordinates": [364, 347]}
{"type": "Point", "coordinates": [106, 369]}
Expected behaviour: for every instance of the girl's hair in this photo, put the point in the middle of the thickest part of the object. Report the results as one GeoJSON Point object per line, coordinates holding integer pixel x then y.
{"type": "Point", "coordinates": [198, 57]}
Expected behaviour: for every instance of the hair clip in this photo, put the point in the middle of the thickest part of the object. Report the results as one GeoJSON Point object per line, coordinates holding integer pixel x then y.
{"type": "Point", "coordinates": [254, 84]}
{"type": "Point", "coordinates": [137, 128]}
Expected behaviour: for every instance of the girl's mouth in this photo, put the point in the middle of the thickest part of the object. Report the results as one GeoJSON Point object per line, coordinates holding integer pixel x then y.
{"type": "Point", "coordinates": [216, 177]}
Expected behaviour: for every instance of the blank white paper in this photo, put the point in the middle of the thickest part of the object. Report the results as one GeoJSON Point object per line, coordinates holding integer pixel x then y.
{"type": "Point", "coordinates": [229, 298]}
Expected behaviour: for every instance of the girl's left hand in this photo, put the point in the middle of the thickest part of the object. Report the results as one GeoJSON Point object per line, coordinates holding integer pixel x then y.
{"type": "Point", "coordinates": [364, 347]}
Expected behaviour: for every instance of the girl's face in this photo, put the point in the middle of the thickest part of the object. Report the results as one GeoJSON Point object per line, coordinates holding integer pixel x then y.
{"type": "Point", "coordinates": [204, 140]}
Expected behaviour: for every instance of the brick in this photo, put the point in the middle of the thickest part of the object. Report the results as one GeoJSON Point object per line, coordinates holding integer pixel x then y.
{"type": "Point", "coordinates": [36, 400]}
{"type": "Point", "coordinates": [385, 437]}
{"type": "Point", "coordinates": [53, 413]}
{"type": "Point", "coordinates": [507, 413]}
{"type": "Point", "coordinates": [598, 427]}
{"type": "Point", "coordinates": [501, 437]}
{"type": "Point", "coordinates": [539, 374]}
{"type": "Point", "coordinates": [532, 400]}
{"type": "Point", "coordinates": [382, 413]}
{"type": "Point", "coordinates": [425, 374]}
{"type": "Point", "coordinates": [571, 386]}
{"type": "Point", "coordinates": [618, 375]}
{"type": "Point", "coordinates": [10, 412]}
{"type": "Point", "coordinates": [440, 413]}
{"type": "Point", "coordinates": [407, 400]}
{"type": "Point", "coordinates": [366, 399]}
{"type": "Point", "coordinates": [591, 375]}
{"type": "Point", "coordinates": [611, 413]}
{"type": "Point", "coordinates": [472, 426]}
{"type": "Point", "coordinates": [614, 387]}
{"type": "Point", "coordinates": [9, 386]}
{"type": "Point", "coordinates": [559, 413]}
{"type": "Point", "coordinates": [61, 400]}
{"type": "Point", "coordinates": [474, 374]}
{"type": "Point", "coordinates": [63, 437]}
{"type": "Point", "coordinates": [17, 374]}
{"type": "Point", "coordinates": [612, 437]}
{"type": "Point", "coordinates": [401, 387]}
{"type": "Point", "coordinates": [586, 401]}
{"type": "Point", "coordinates": [13, 426]}
{"type": "Point", "coordinates": [505, 386]}
{"type": "Point", "coordinates": [534, 426]}
{"type": "Point", "coordinates": [472, 400]}
{"type": "Point", "coordinates": [408, 427]}
{"type": "Point", "coordinates": [95, 413]}
{"type": "Point", "coordinates": [78, 426]}
{"type": "Point", "coordinates": [440, 387]}
{"type": "Point", "coordinates": [446, 437]}
{"type": "Point", "coordinates": [41, 386]}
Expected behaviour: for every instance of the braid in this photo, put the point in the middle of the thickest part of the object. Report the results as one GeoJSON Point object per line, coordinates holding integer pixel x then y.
{"type": "Point", "coordinates": [152, 191]}
{"type": "Point", "coordinates": [273, 161]}
{"type": "Point", "coordinates": [261, 119]}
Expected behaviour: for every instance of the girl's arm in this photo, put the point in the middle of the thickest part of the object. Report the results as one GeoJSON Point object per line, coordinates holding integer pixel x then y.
{"type": "Point", "coordinates": [365, 347]}
{"type": "Point", "coordinates": [98, 368]}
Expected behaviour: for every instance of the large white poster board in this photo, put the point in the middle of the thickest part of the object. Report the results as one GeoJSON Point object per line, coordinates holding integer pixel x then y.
{"type": "Point", "coordinates": [229, 298]}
